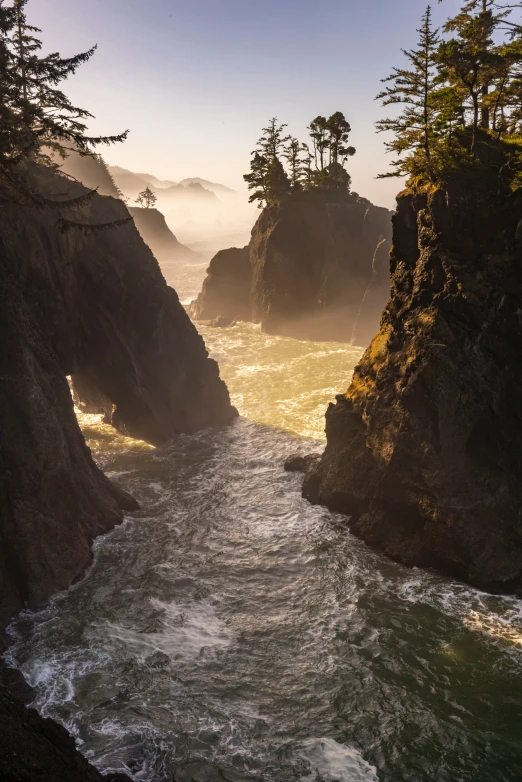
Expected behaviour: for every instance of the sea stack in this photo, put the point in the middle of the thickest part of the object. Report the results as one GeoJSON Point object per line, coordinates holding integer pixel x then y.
{"type": "Point", "coordinates": [316, 269]}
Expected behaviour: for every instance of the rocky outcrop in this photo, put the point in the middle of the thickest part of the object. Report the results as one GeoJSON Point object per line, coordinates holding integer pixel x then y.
{"type": "Point", "coordinates": [157, 235]}
{"type": "Point", "coordinates": [35, 749]}
{"type": "Point", "coordinates": [94, 306]}
{"type": "Point", "coordinates": [318, 269]}
{"type": "Point", "coordinates": [423, 451]}
{"type": "Point", "coordinates": [226, 288]}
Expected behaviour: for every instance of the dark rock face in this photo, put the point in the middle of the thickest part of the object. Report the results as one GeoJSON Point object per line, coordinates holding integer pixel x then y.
{"type": "Point", "coordinates": [316, 268]}
{"type": "Point", "coordinates": [298, 463]}
{"type": "Point", "coordinates": [35, 749]}
{"type": "Point", "coordinates": [226, 289]}
{"type": "Point", "coordinates": [94, 306]}
{"type": "Point", "coordinates": [424, 450]}
{"type": "Point", "coordinates": [53, 499]}
{"type": "Point", "coordinates": [114, 323]}
{"type": "Point", "coordinates": [320, 267]}
{"type": "Point", "coordinates": [158, 236]}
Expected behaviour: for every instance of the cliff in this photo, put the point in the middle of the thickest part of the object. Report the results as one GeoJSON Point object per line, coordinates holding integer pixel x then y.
{"type": "Point", "coordinates": [157, 235]}
{"type": "Point", "coordinates": [94, 306]}
{"type": "Point", "coordinates": [226, 288]}
{"type": "Point", "coordinates": [319, 270]}
{"type": "Point", "coordinates": [423, 451]}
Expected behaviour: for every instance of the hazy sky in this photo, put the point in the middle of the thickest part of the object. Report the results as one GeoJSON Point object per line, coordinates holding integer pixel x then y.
{"type": "Point", "coordinates": [196, 80]}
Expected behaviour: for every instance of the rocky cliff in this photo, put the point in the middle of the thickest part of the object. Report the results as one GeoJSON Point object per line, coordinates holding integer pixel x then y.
{"type": "Point", "coordinates": [319, 269]}
{"type": "Point", "coordinates": [424, 450]}
{"type": "Point", "coordinates": [94, 306]}
{"type": "Point", "coordinates": [226, 288]}
{"type": "Point", "coordinates": [157, 235]}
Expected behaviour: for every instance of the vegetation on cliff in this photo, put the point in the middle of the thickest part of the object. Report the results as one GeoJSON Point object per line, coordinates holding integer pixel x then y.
{"type": "Point", "coordinates": [322, 166]}
{"type": "Point", "coordinates": [38, 122]}
{"type": "Point", "coordinates": [460, 95]}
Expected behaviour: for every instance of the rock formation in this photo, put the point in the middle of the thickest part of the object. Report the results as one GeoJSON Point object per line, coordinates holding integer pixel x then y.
{"type": "Point", "coordinates": [226, 288]}
{"type": "Point", "coordinates": [423, 451]}
{"type": "Point", "coordinates": [35, 749]}
{"type": "Point", "coordinates": [157, 235]}
{"type": "Point", "coordinates": [94, 306]}
{"type": "Point", "coordinates": [319, 270]}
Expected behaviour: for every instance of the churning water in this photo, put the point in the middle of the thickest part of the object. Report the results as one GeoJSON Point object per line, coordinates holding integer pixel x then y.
{"type": "Point", "coordinates": [231, 631]}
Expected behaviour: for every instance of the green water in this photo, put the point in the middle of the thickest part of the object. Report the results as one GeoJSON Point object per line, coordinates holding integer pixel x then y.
{"type": "Point", "coordinates": [229, 630]}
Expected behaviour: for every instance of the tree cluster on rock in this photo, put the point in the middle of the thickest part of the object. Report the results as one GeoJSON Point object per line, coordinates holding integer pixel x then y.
{"type": "Point", "coordinates": [320, 164]}
{"type": "Point", "coordinates": [461, 101]}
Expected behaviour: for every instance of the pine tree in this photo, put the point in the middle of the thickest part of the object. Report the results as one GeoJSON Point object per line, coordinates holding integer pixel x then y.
{"type": "Point", "coordinates": [36, 118]}
{"type": "Point", "coordinates": [339, 130]}
{"type": "Point", "coordinates": [147, 198]}
{"type": "Point", "coordinates": [414, 89]}
{"type": "Point", "coordinates": [471, 62]}
{"type": "Point", "coordinates": [267, 177]}
{"type": "Point", "coordinates": [292, 154]}
{"type": "Point", "coordinates": [256, 179]}
{"type": "Point", "coordinates": [319, 134]}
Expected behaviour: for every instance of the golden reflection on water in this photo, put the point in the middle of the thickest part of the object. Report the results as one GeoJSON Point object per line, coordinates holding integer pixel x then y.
{"type": "Point", "coordinates": [283, 382]}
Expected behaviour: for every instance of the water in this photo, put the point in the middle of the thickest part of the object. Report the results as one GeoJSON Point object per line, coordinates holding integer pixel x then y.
{"type": "Point", "coordinates": [231, 631]}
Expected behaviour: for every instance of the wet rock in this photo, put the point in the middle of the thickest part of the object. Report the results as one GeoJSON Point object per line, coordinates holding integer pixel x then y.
{"type": "Point", "coordinates": [423, 451]}
{"type": "Point", "coordinates": [298, 463]}
{"type": "Point", "coordinates": [222, 322]}
{"type": "Point", "coordinates": [35, 749]}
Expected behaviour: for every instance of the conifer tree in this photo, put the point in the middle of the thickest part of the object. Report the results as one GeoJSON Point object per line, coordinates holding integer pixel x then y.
{"type": "Point", "coordinates": [256, 179]}
{"type": "Point", "coordinates": [319, 134]}
{"type": "Point", "coordinates": [413, 88]}
{"type": "Point", "coordinates": [36, 118]}
{"type": "Point", "coordinates": [267, 177]}
{"type": "Point", "coordinates": [292, 155]}
{"type": "Point", "coordinates": [147, 198]}
{"type": "Point", "coordinates": [469, 60]}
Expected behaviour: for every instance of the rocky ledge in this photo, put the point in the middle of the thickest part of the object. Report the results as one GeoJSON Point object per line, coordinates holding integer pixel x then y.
{"type": "Point", "coordinates": [424, 450]}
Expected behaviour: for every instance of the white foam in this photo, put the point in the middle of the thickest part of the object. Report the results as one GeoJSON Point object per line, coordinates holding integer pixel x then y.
{"type": "Point", "coordinates": [333, 762]}
{"type": "Point", "coordinates": [187, 632]}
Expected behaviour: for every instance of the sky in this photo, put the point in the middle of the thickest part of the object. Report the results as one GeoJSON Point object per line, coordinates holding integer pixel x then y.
{"type": "Point", "coordinates": [195, 81]}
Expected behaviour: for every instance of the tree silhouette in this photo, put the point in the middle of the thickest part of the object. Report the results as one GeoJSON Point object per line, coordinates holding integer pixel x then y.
{"type": "Point", "coordinates": [413, 89]}
{"type": "Point", "coordinates": [147, 198]}
{"type": "Point", "coordinates": [36, 118]}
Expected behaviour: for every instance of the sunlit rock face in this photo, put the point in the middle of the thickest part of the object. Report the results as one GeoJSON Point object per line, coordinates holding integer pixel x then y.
{"type": "Point", "coordinates": [94, 306]}
{"type": "Point", "coordinates": [158, 236]}
{"type": "Point", "coordinates": [317, 269]}
{"type": "Point", "coordinates": [226, 288]}
{"type": "Point", "coordinates": [424, 450]}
